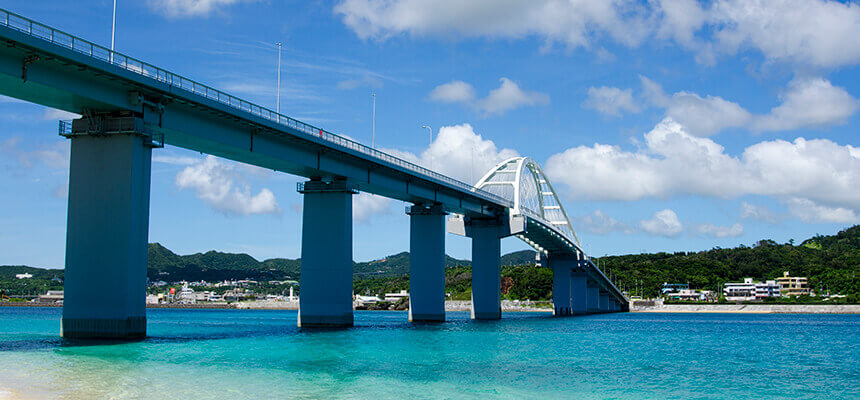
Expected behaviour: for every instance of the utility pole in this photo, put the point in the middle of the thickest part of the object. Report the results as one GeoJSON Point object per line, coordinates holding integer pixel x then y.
{"type": "Point", "coordinates": [113, 31]}
{"type": "Point", "coordinates": [430, 130]}
{"type": "Point", "coordinates": [278, 96]}
{"type": "Point", "coordinates": [373, 123]}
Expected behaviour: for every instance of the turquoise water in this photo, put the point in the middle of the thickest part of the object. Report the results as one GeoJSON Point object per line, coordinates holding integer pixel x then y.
{"type": "Point", "coordinates": [242, 354]}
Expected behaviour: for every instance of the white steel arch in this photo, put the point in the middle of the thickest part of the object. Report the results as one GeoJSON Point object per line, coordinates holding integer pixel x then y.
{"type": "Point", "coordinates": [521, 180]}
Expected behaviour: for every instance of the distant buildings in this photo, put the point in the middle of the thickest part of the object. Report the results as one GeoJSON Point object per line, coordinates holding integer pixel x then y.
{"type": "Point", "coordinates": [51, 297]}
{"type": "Point", "coordinates": [673, 288]}
{"type": "Point", "coordinates": [793, 285]}
{"type": "Point", "coordinates": [23, 276]}
{"type": "Point", "coordinates": [395, 297]}
{"type": "Point", "coordinates": [748, 290]}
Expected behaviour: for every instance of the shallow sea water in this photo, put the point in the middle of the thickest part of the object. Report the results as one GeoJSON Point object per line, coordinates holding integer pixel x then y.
{"type": "Point", "coordinates": [244, 354]}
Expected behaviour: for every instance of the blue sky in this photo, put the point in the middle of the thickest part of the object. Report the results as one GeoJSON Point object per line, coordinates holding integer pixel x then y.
{"type": "Point", "coordinates": [665, 125]}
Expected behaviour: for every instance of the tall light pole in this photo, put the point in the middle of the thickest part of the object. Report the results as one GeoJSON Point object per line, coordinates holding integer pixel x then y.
{"type": "Point", "coordinates": [430, 130]}
{"type": "Point", "coordinates": [113, 31]}
{"type": "Point", "coordinates": [278, 96]}
{"type": "Point", "coordinates": [373, 122]}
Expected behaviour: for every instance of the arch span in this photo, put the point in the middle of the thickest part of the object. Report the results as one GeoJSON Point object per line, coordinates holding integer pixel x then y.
{"type": "Point", "coordinates": [521, 180]}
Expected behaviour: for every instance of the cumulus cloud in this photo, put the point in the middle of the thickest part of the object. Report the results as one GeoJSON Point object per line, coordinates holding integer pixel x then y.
{"type": "Point", "coordinates": [56, 155]}
{"type": "Point", "coordinates": [459, 152]}
{"type": "Point", "coordinates": [611, 101]}
{"type": "Point", "coordinates": [366, 205]}
{"type": "Point", "coordinates": [506, 97]}
{"type": "Point", "coordinates": [809, 103]}
{"type": "Point", "coordinates": [663, 223]}
{"type": "Point", "coordinates": [453, 92]}
{"type": "Point", "coordinates": [717, 231]}
{"type": "Point", "coordinates": [215, 182]}
{"type": "Point", "coordinates": [809, 211]}
{"type": "Point", "coordinates": [600, 224]}
{"type": "Point", "coordinates": [674, 162]}
{"type": "Point", "coordinates": [191, 8]}
{"type": "Point", "coordinates": [53, 113]}
{"type": "Point", "coordinates": [758, 213]}
{"type": "Point", "coordinates": [801, 32]}
{"type": "Point", "coordinates": [806, 103]}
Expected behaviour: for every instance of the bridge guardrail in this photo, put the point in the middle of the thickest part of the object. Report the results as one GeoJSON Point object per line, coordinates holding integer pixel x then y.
{"type": "Point", "coordinates": [85, 47]}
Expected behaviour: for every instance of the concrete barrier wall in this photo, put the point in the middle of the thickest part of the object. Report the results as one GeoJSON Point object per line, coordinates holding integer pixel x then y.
{"type": "Point", "coordinates": [752, 308]}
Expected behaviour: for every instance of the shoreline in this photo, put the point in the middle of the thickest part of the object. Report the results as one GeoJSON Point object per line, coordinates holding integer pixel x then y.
{"type": "Point", "coordinates": [749, 308]}
{"type": "Point", "coordinates": [455, 306]}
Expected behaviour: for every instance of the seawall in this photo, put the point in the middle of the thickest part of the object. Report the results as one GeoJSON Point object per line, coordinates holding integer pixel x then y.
{"type": "Point", "coordinates": [751, 308]}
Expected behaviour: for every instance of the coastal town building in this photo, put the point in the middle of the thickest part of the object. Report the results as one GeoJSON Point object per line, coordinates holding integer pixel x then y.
{"type": "Point", "coordinates": [395, 297]}
{"type": "Point", "coordinates": [793, 285]}
{"type": "Point", "coordinates": [691, 295]}
{"type": "Point", "coordinates": [673, 288]}
{"type": "Point", "coordinates": [51, 297]}
{"type": "Point", "coordinates": [748, 290]}
{"type": "Point", "coordinates": [24, 276]}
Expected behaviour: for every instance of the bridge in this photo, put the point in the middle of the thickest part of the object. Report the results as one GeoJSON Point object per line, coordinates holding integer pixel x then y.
{"type": "Point", "coordinates": [129, 108]}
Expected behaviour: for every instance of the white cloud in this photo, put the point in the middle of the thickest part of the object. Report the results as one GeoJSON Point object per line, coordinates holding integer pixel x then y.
{"type": "Point", "coordinates": [453, 92]}
{"type": "Point", "coordinates": [366, 205]}
{"type": "Point", "coordinates": [599, 223]}
{"type": "Point", "coordinates": [611, 101]}
{"type": "Point", "coordinates": [802, 32]}
{"type": "Point", "coordinates": [56, 155]}
{"type": "Point", "coordinates": [806, 103]}
{"type": "Point", "coordinates": [809, 103]}
{"type": "Point", "coordinates": [364, 81]}
{"type": "Point", "coordinates": [459, 152]}
{"type": "Point", "coordinates": [809, 211]}
{"type": "Point", "coordinates": [509, 96]}
{"type": "Point", "coordinates": [717, 231]}
{"type": "Point", "coordinates": [806, 32]}
{"type": "Point", "coordinates": [663, 223]}
{"type": "Point", "coordinates": [214, 182]}
{"type": "Point", "coordinates": [53, 113]}
{"type": "Point", "coordinates": [174, 160]}
{"type": "Point", "coordinates": [673, 162]}
{"type": "Point", "coordinates": [758, 213]}
{"type": "Point", "coordinates": [191, 8]}
{"type": "Point", "coordinates": [506, 97]}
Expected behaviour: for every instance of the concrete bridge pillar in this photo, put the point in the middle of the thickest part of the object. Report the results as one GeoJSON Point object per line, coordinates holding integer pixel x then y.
{"type": "Point", "coordinates": [578, 293]}
{"type": "Point", "coordinates": [592, 297]}
{"type": "Point", "coordinates": [325, 299]}
{"type": "Point", "coordinates": [561, 280]}
{"type": "Point", "coordinates": [107, 231]}
{"type": "Point", "coordinates": [604, 301]}
{"type": "Point", "coordinates": [486, 272]}
{"type": "Point", "coordinates": [426, 263]}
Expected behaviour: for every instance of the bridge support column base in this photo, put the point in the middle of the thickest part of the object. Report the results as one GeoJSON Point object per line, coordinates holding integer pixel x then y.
{"type": "Point", "coordinates": [592, 298]}
{"type": "Point", "coordinates": [561, 275]}
{"type": "Point", "coordinates": [426, 264]}
{"type": "Point", "coordinates": [486, 272]}
{"type": "Point", "coordinates": [94, 328]}
{"type": "Point", "coordinates": [106, 236]}
{"type": "Point", "coordinates": [578, 293]}
{"type": "Point", "coordinates": [325, 300]}
{"type": "Point", "coordinates": [604, 302]}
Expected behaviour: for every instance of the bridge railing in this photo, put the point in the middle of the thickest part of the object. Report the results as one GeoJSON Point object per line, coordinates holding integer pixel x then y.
{"type": "Point", "coordinates": [85, 47]}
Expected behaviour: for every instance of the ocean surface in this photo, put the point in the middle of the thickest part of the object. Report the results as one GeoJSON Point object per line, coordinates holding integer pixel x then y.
{"type": "Point", "coordinates": [244, 354]}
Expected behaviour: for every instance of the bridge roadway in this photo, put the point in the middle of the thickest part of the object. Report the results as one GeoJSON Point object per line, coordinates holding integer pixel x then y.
{"type": "Point", "coordinates": [130, 107]}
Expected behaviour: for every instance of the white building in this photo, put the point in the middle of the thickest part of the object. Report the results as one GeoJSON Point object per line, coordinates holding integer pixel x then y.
{"type": "Point", "coordinates": [394, 297]}
{"type": "Point", "coordinates": [23, 276]}
{"type": "Point", "coordinates": [748, 290]}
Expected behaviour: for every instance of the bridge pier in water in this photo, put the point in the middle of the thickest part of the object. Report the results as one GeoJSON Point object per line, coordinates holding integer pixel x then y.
{"type": "Point", "coordinates": [486, 270]}
{"type": "Point", "coordinates": [592, 297]}
{"type": "Point", "coordinates": [562, 275]}
{"type": "Point", "coordinates": [107, 230]}
{"type": "Point", "coordinates": [426, 263]}
{"type": "Point", "coordinates": [578, 293]}
{"type": "Point", "coordinates": [604, 301]}
{"type": "Point", "coordinates": [326, 277]}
